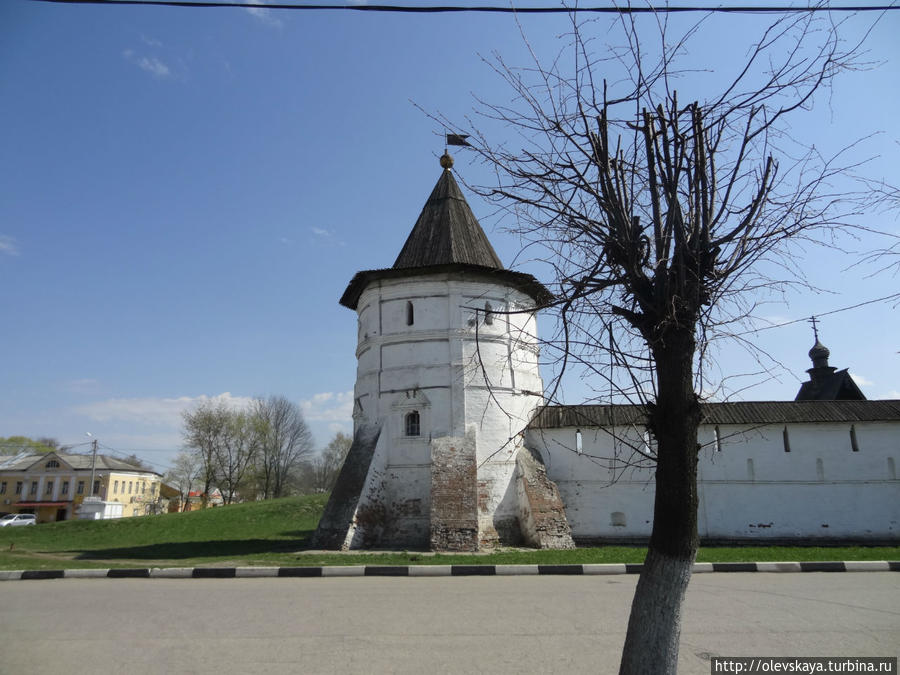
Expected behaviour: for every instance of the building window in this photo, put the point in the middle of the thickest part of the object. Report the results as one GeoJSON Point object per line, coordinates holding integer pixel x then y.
{"type": "Point", "coordinates": [18, 487]}
{"type": "Point", "coordinates": [3, 488]}
{"type": "Point", "coordinates": [65, 487]}
{"type": "Point", "coordinates": [579, 442]}
{"type": "Point", "coordinates": [49, 490]}
{"type": "Point", "coordinates": [786, 439]}
{"type": "Point", "coordinates": [96, 487]}
{"type": "Point", "coordinates": [115, 487]}
{"type": "Point", "coordinates": [143, 488]}
{"type": "Point", "coordinates": [130, 483]}
{"type": "Point", "coordinates": [80, 488]}
{"type": "Point", "coordinates": [488, 314]}
{"type": "Point", "coordinates": [412, 424]}
{"type": "Point", "coordinates": [718, 443]}
{"type": "Point", "coordinates": [410, 314]}
{"type": "Point", "coordinates": [33, 490]}
{"type": "Point", "coordinates": [854, 444]}
{"type": "Point", "coordinates": [52, 464]}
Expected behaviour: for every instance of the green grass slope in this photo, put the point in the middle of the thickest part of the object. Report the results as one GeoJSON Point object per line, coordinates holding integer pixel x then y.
{"type": "Point", "coordinates": [277, 532]}
{"type": "Point", "coordinates": [255, 528]}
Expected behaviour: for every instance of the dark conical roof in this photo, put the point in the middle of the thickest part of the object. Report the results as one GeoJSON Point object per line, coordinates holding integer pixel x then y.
{"type": "Point", "coordinates": [448, 240]}
{"type": "Point", "coordinates": [447, 232]}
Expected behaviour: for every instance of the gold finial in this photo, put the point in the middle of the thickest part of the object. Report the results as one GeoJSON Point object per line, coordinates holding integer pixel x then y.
{"type": "Point", "coordinates": [446, 160]}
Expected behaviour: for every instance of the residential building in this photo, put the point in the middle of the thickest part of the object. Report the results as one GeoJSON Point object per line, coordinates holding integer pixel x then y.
{"type": "Point", "coordinates": [54, 486]}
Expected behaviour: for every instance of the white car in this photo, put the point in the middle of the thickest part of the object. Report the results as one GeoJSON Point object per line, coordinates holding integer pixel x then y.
{"type": "Point", "coordinates": [18, 519]}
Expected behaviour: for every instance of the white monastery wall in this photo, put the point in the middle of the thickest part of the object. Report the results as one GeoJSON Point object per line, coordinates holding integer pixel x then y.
{"type": "Point", "coordinates": [749, 486]}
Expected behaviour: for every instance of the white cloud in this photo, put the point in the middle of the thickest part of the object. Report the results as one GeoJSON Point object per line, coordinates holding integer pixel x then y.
{"type": "Point", "coordinates": [149, 64]}
{"type": "Point", "coordinates": [262, 15]}
{"type": "Point", "coordinates": [8, 245]}
{"type": "Point", "coordinates": [861, 381]}
{"type": "Point", "coordinates": [892, 394]}
{"type": "Point", "coordinates": [151, 42]}
{"type": "Point", "coordinates": [336, 407]}
{"type": "Point", "coordinates": [319, 232]}
{"type": "Point", "coordinates": [161, 412]}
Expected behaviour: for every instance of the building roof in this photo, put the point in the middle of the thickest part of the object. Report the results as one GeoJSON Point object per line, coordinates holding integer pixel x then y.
{"type": "Point", "coordinates": [76, 462]}
{"type": "Point", "coordinates": [738, 412]}
{"type": "Point", "coordinates": [827, 383]}
{"type": "Point", "coordinates": [447, 238]}
{"type": "Point", "coordinates": [447, 232]}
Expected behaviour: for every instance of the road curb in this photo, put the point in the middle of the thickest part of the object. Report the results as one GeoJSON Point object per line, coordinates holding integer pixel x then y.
{"type": "Point", "coordinates": [437, 570]}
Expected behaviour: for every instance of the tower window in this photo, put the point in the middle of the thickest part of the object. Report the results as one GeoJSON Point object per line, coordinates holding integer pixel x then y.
{"type": "Point", "coordinates": [579, 445]}
{"type": "Point", "coordinates": [718, 443]}
{"type": "Point", "coordinates": [786, 439]}
{"type": "Point", "coordinates": [413, 428]}
{"type": "Point", "coordinates": [488, 314]}
{"type": "Point", "coordinates": [410, 314]}
{"type": "Point", "coordinates": [854, 443]}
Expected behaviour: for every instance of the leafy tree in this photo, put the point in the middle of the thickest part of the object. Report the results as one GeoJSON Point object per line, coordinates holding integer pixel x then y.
{"type": "Point", "coordinates": [236, 452]}
{"type": "Point", "coordinates": [16, 444]}
{"type": "Point", "coordinates": [184, 475]}
{"type": "Point", "coordinates": [205, 429]}
{"type": "Point", "coordinates": [326, 467]}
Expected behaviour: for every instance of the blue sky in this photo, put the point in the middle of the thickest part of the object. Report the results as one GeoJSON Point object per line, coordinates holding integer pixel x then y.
{"type": "Point", "coordinates": [184, 195]}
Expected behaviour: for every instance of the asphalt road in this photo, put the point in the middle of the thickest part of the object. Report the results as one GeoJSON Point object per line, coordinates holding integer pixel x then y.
{"type": "Point", "coordinates": [521, 624]}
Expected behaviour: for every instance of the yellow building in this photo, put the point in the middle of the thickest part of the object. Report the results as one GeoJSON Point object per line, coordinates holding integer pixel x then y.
{"type": "Point", "coordinates": [54, 485]}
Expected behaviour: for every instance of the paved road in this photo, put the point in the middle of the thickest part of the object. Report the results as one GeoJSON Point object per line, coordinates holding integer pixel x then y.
{"type": "Point", "coordinates": [425, 625]}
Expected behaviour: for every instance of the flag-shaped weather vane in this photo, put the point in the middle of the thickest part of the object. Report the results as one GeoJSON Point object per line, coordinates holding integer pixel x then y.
{"type": "Point", "coordinates": [452, 139]}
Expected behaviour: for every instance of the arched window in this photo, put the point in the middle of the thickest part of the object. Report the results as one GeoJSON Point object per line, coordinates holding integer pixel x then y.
{"type": "Point", "coordinates": [52, 464]}
{"type": "Point", "coordinates": [488, 314]}
{"type": "Point", "coordinates": [413, 427]}
{"type": "Point", "coordinates": [410, 314]}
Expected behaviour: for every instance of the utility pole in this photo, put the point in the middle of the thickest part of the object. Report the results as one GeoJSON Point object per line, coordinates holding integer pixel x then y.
{"type": "Point", "coordinates": [93, 463]}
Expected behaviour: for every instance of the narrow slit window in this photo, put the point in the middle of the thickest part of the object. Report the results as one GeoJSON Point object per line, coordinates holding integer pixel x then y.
{"type": "Point", "coordinates": [410, 314]}
{"type": "Point", "coordinates": [579, 442]}
{"type": "Point", "coordinates": [488, 314]}
{"type": "Point", "coordinates": [786, 439]}
{"type": "Point", "coordinates": [718, 443]}
{"type": "Point", "coordinates": [413, 427]}
{"type": "Point", "coordinates": [854, 443]}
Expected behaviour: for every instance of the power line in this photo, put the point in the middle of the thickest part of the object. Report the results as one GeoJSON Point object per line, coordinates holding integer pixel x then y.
{"type": "Point", "coordinates": [892, 296]}
{"type": "Point", "coordinates": [441, 9]}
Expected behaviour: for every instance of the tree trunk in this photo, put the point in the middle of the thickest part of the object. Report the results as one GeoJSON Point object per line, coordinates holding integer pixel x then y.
{"type": "Point", "coordinates": [654, 627]}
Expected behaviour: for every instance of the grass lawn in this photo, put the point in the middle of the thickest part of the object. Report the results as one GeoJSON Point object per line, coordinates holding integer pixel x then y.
{"type": "Point", "coordinates": [276, 533]}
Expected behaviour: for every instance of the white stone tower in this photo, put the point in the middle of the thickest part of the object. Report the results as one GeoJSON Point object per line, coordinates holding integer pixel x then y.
{"type": "Point", "coordinates": [447, 380]}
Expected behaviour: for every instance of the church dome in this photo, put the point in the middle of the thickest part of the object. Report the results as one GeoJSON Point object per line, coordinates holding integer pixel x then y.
{"type": "Point", "coordinates": [819, 354]}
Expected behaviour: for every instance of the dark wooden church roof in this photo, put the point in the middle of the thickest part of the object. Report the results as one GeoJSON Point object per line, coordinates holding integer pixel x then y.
{"type": "Point", "coordinates": [827, 383]}
{"type": "Point", "coordinates": [447, 232]}
{"type": "Point", "coordinates": [447, 239]}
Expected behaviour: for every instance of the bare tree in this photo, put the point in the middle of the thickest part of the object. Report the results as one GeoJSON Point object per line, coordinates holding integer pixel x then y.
{"type": "Point", "coordinates": [663, 220]}
{"type": "Point", "coordinates": [285, 441]}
